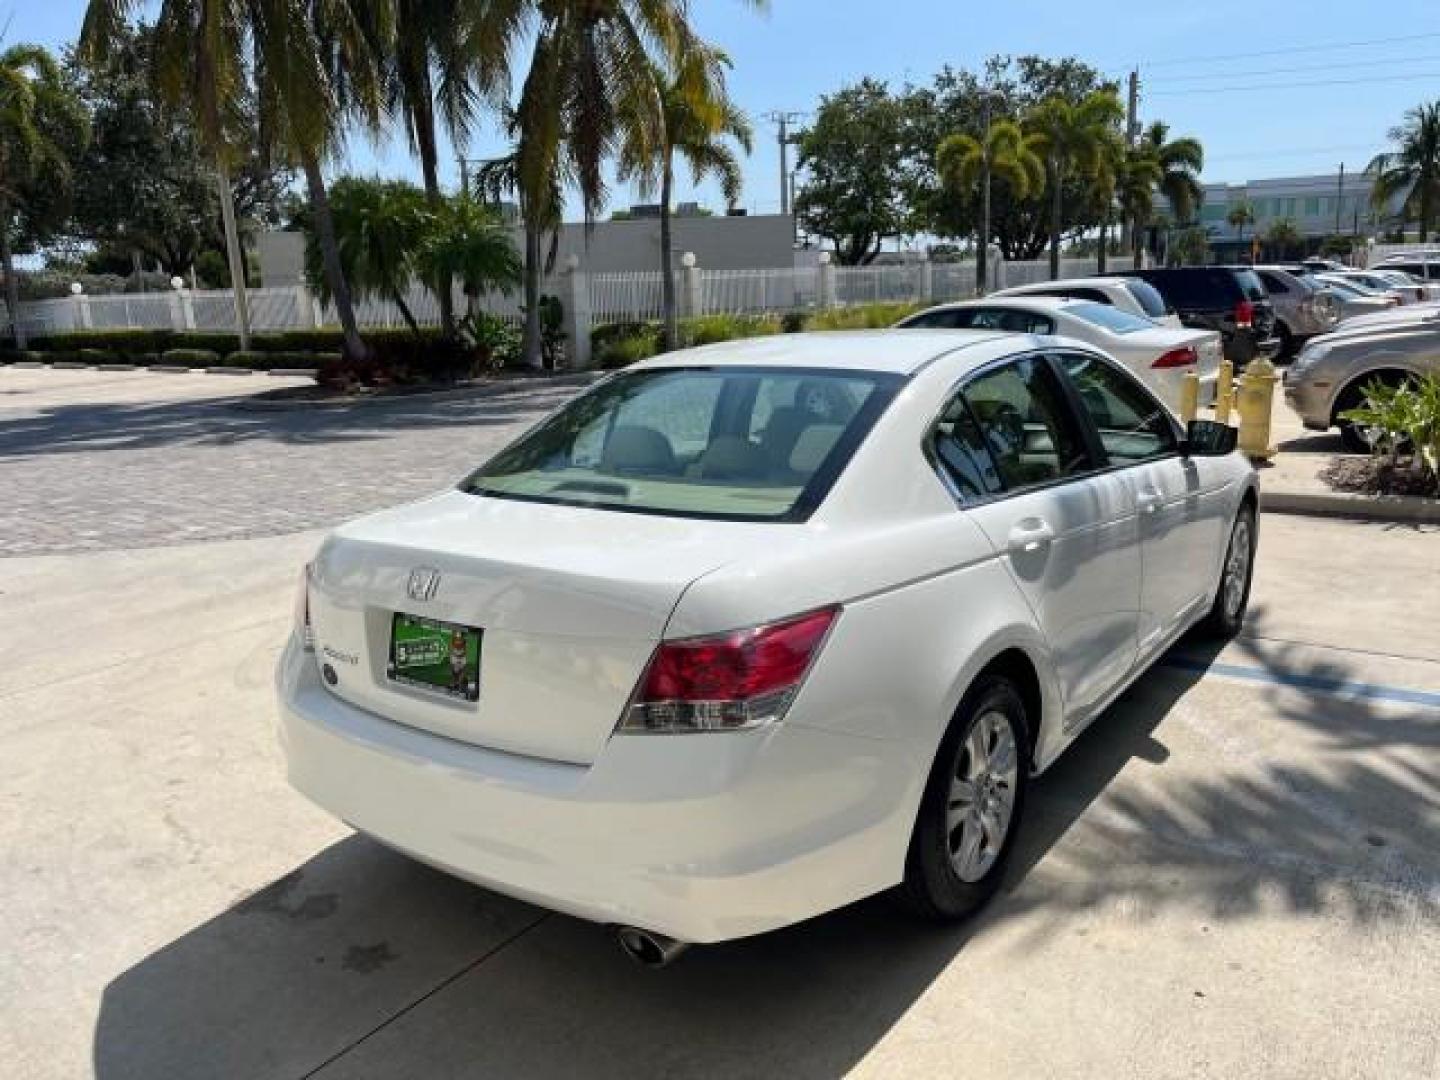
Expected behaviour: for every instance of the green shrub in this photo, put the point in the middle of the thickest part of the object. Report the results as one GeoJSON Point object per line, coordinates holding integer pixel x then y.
{"type": "Point", "coordinates": [792, 322]}
{"type": "Point", "coordinates": [100, 356]}
{"type": "Point", "coordinates": [18, 356]}
{"type": "Point", "coordinates": [254, 360]}
{"type": "Point", "coordinates": [708, 329]}
{"type": "Point", "coordinates": [191, 357]}
{"type": "Point", "coordinates": [497, 339]}
{"type": "Point", "coordinates": [1405, 417]}
{"type": "Point", "coordinates": [618, 345]}
{"type": "Point", "coordinates": [861, 316]}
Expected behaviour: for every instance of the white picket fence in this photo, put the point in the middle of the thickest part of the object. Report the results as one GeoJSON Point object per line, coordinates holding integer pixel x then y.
{"type": "Point", "coordinates": [592, 298]}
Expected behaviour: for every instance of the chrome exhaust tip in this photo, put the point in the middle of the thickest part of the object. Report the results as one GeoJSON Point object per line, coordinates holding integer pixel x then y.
{"type": "Point", "coordinates": [649, 949]}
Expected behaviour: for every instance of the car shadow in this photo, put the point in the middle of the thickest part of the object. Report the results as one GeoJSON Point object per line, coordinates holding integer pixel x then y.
{"type": "Point", "coordinates": [362, 956]}
{"type": "Point", "coordinates": [1314, 442]}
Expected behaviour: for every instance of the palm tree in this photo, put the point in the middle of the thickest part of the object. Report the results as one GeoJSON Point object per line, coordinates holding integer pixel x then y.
{"type": "Point", "coordinates": [1140, 176]}
{"type": "Point", "coordinates": [379, 227]}
{"type": "Point", "coordinates": [200, 62]}
{"type": "Point", "coordinates": [1003, 151]}
{"type": "Point", "coordinates": [1281, 236]}
{"type": "Point", "coordinates": [1181, 161]}
{"type": "Point", "coordinates": [433, 73]}
{"type": "Point", "coordinates": [1241, 215]}
{"type": "Point", "coordinates": [1072, 137]}
{"type": "Point", "coordinates": [467, 243]}
{"type": "Point", "coordinates": [695, 122]}
{"type": "Point", "coordinates": [590, 82]}
{"type": "Point", "coordinates": [33, 99]}
{"type": "Point", "coordinates": [1414, 168]}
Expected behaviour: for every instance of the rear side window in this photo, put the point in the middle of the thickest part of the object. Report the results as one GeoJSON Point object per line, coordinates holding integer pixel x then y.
{"type": "Point", "coordinates": [1109, 318]}
{"type": "Point", "coordinates": [1250, 284]}
{"type": "Point", "coordinates": [1196, 289]}
{"type": "Point", "coordinates": [1273, 283]}
{"type": "Point", "coordinates": [1009, 320]}
{"type": "Point", "coordinates": [1025, 423]}
{"type": "Point", "coordinates": [730, 443]}
{"type": "Point", "coordinates": [1149, 299]}
{"type": "Point", "coordinates": [961, 453]}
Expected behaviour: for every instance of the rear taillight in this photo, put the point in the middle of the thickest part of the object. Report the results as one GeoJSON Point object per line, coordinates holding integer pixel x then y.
{"type": "Point", "coordinates": [729, 682]}
{"type": "Point", "coordinates": [1182, 357]}
{"type": "Point", "coordinates": [302, 611]}
{"type": "Point", "coordinates": [1244, 315]}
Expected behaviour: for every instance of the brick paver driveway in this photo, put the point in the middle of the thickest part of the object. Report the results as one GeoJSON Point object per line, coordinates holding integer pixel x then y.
{"type": "Point", "coordinates": [92, 461]}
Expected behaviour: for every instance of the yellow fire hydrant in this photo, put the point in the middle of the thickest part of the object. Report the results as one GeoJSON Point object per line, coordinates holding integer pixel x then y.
{"type": "Point", "coordinates": [1224, 391]}
{"type": "Point", "coordinates": [1189, 398]}
{"type": "Point", "coordinates": [1257, 397]}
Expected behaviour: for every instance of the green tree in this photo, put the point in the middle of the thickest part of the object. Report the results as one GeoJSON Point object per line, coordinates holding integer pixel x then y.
{"type": "Point", "coordinates": [1191, 247]}
{"type": "Point", "coordinates": [1240, 217]}
{"type": "Point", "coordinates": [957, 100]}
{"type": "Point", "coordinates": [1139, 178]}
{"type": "Point", "coordinates": [854, 192]}
{"type": "Point", "coordinates": [468, 244]}
{"type": "Point", "coordinates": [1281, 237]}
{"type": "Point", "coordinates": [144, 183]}
{"type": "Point", "coordinates": [1003, 151]}
{"type": "Point", "coordinates": [437, 79]}
{"type": "Point", "coordinates": [42, 127]}
{"type": "Point", "coordinates": [697, 120]}
{"type": "Point", "coordinates": [589, 80]}
{"type": "Point", "coordinates": [1181, 161]}
{"type": "Point", "coordinates": [380, 226]}
{"type": "Point", "coordinates": [1412, 169]}
{"type": "Point", "coordinates": [1073, 138]}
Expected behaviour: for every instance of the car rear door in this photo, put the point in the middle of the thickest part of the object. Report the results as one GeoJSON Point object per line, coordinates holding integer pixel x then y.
{"type": "Point", "coordinates": [1179, 500]}
{"type": "Point", "coordinates": [1066, 530]}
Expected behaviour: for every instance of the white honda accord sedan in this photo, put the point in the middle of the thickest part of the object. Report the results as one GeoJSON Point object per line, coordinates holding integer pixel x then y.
{"type": "Point", "coordinates": [748, 632]}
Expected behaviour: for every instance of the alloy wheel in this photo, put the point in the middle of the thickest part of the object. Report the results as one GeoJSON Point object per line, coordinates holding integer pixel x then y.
{"type": "Point", "coordinates": [982, 796]}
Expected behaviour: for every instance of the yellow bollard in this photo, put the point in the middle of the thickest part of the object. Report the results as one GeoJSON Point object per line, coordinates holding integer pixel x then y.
{"type": "Point", "coordinates": [1257, 398]}
{"type": "Point", "coordinates": [1224, 391]}
{"type": "Point", "coordinates": [1189, 398]}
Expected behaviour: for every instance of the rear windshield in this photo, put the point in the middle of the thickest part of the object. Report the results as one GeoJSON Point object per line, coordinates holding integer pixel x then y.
{"type": "Point", "coordinates": [737, 444]}
{"type": "Point", "coordinates": [1251, 285]}
{"type": "Point", "coordinates": [1112, 319]}
{"type": "Point", "coordinates": [1149, 299]}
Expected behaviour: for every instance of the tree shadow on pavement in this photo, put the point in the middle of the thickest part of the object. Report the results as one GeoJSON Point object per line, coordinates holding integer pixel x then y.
{"type": "Point", "coordinates": [115, 426]}
{"type": "Point", "coordinates": [363, 960]}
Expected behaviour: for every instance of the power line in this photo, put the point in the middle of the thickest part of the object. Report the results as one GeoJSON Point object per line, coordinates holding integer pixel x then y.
{"type": "Point", "coordinates": [1328, 65]}
{"type": "Point", "coordinates": [1223, 57]}
{"type": "Point", "coordinates": [1298, 85]}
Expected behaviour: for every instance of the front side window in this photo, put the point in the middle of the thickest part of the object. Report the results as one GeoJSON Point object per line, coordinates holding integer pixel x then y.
{"type": "Point", "coordinates": [1026, 426]}
{"type": "Point", "coordinates": [1133, 426]}
{"type": "Point", "coordinates": [743, 444]}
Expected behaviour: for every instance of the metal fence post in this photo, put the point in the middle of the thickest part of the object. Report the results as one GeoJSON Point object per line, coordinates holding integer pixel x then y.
{"type": "Point", "coordinates": [690, 276]}
{"type": "Point", "coordinates": [827, 281]}
{"type": "Point", "coordinates": [577, 312]}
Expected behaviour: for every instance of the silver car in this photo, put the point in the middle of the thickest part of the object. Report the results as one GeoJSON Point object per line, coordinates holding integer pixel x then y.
{"type": "Point", "coordinates": [1303, 307]}
{"type": "Point", "coordinates": [1332, 371]}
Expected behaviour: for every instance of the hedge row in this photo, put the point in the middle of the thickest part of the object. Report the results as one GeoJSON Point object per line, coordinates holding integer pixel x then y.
{"type": "Point", "coordinates": [142, 346]}
{"type": "Point", "coordinates": [615, 345]}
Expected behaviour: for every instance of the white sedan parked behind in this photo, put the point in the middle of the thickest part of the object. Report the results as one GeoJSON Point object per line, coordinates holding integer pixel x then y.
{"type": "Point", "coordinates": [746, 633]}
{"type": "Point", "coordinates": [1158, 356]}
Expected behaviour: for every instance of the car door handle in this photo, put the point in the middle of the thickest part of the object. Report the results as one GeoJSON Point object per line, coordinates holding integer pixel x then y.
{"type": "Point", "coordinates": [1148, 502]}
{"type": "Point", "coordinates": [1030, 535]}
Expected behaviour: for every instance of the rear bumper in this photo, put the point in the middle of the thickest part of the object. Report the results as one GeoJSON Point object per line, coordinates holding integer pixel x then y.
{"type": "Point", "coordinates": [701, 837]}
{"type": "Point", "coordinates": [1310, 404]}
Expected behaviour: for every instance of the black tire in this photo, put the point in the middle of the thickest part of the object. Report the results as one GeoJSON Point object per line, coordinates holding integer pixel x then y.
{"type": "Point", "coordinates": [1287, 342]}
{"type": "Point", "coordinates": [1226, 615]}
{"type": "Point", "coordinates": [933, 887]}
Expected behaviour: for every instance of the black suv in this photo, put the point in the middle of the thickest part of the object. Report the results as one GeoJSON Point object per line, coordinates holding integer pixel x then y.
{"type": "Point", "coordinates": [1230, 299]}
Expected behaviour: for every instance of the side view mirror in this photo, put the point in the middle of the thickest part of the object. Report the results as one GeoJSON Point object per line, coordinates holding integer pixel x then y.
{"type": "Point", "coordinates": [1207, 438]}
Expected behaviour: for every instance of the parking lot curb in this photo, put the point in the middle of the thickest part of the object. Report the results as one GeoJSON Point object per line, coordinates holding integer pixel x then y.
{"type": "Point", "coordinates": [1400, 509]}
{"type": "Point", "coordinates": [484, 390]}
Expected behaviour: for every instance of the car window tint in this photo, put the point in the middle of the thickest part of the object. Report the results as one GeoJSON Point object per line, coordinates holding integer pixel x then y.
{"type": "Point", "coordinates": [1250, 285]}
{"type": "Point", "coordinates": [960, 451]}
{"type": "Point", "coordinates": [1109, 318]}
{"type": "Point", "coordinates": [1009, 320]}
{"type": "Point", "coordinates": [1273, 282]}
{"type": "Point", "coordinates": [1149, 299]}
{"type": "Point", "coordinates": [944, 319]}
{"type": "Point", "coordinates": [1133, 426]}
{"type": "Point", "coordinates": [1026, 424]}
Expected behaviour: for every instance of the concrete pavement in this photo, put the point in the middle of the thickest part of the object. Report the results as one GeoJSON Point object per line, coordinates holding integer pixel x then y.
{"type": "Point", "coordinates": [1235, 873]}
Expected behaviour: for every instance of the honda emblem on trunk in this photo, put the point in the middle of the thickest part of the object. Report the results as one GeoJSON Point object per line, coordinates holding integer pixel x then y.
{"type": "Point", "coordinates": [423, 584]}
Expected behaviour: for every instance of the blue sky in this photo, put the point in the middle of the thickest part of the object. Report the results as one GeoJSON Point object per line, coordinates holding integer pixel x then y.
{"type": "Point", "coordinates": [1187, 52]}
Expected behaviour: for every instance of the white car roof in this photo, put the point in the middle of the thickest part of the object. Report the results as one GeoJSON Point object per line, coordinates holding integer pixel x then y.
{"type": "Point", "coordinates": [1019, 302]}
{"type": "Point", "coordinates": [1087, 282]}
{"type": "Point", "coordinates": [900, 351]}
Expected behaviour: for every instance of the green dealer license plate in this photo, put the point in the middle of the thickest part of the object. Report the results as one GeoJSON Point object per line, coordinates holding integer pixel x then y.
{"type": "Point", "coordinates": [434, 655]}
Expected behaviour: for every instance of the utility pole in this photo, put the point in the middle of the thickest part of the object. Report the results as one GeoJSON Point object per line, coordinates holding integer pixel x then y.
{"type": "Point", "coordinates": [1132, 136]}
{"type": "Point", "coordinates": [1340, 202]}
{"type": "Point", "coordinates": [783, 120]}
{"type": "Point", "coordinates": [464, 178]}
